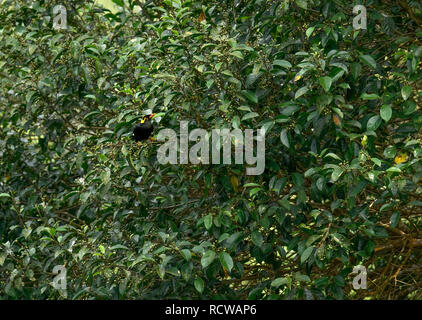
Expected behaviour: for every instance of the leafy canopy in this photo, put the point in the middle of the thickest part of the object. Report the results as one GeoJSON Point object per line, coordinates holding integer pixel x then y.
{"type": "Point", "coordinates": [342, 185]}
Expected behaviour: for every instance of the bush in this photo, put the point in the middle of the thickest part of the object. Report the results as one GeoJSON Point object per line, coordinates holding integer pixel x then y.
{"type": "Point", "coordinates": [342, 181]}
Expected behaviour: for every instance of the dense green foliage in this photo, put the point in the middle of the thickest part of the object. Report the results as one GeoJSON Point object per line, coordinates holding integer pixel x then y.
{"type": "Point", "coordinates": [342, 184]}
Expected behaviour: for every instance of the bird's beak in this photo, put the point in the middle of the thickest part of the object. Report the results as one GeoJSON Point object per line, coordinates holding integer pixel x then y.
{"type": "Point", "coordinates": [152, 115]}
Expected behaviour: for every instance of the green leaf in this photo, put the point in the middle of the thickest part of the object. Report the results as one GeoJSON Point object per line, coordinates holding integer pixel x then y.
{"type": "Point", "coordinates": [326, 83]}
{"type": "Point", "coordinates": [254, 191]}
{"type": "Point", "coordinates": [119, 246]}
{"type": "Point", "coordinates": [332, 155]}
{"type": "Point", "coordinates": [405, 92]}
{"type": "Point", "coordinates": [305, 254]}
{"type": "Point", "coordinates": [369, 61]}
{"type": "Point", "coordinates": [309, 31]}
{"type": "Point", "coordinates": [167, 100]}
{"type": "Point", "coordinates": [356, 69]}
{"type": "Point", "coordinates": [3, 257]}
{"type": "Point", "coordinates": [4, 195]}
{"type": "Point", "coordinates": [199, 285]}
{"type": "Point", "coordinates": [301, 92]}
{"type": "Point", "coordinates": [209, 83]}
{"type": "Point", "coordinates": [256, 238]}
{"type": "Point", "coordinates": [344, 85]}
{"type": "Point", "coordinates": [302, 4]}
{"type": "Point", "coordinates": [338, 171]}
{"type": "Point", "coordinates": [237, 54]}
{"type": "Point", "coordinates": [302, 277]}
{"type": "Point", "coordinates": [207, 258]}
{"type": "Point", "coordinates": [386, 112]}
{"type": "Point", "coordinates": [186, 254]}
{"type": "Point", "coordinates": [386, 207]}
{"type": "Point", "coordinates": [279, 282]}
{"type": "Point", "coordinates": [227, 73]}
{"type": "Point", "coordinates": [251, 184]}
{"type": "Point", "coordinates": [284, 138]}
{"type": "Point", "coordinates": [390, 152]}
{"type": "Point", "coordinates": [369, 96]}
{"type": "Point", "coordinates": [226, 261]}
{"type": "Point", "coordinates": [394, 219]}
{"type": "Point", "coordinates": [250, 115]}
{"type": "Point", "coordinates": [282, 63]}
{"type": "Point", "coordinates": [105, 176]}
{"type": "Point", "coordinates": [208, 222]}
{"type": "Point", "coordinates": [373, 123]}
{"type": "Point", "coordinates": [251, 96]}
{"type": "Point", "coordinates": [224, 106]}
{"type": "Point", "coordinates": [376, 161]}
{"type": "Point", "coordinates": [310, 172]}
{"type": "Point", "coordinates": [411, 143]}
{"type": "Point", "coordinates": [393, 169]}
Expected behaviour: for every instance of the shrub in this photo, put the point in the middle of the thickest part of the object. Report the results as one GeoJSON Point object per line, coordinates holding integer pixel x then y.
{"type": "Point", "coordinates": [341, 188]}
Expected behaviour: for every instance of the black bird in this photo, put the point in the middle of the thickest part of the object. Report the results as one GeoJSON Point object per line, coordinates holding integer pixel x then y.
{"type": "Point", "coordinates": [144, 129]}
